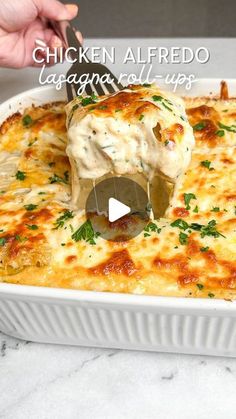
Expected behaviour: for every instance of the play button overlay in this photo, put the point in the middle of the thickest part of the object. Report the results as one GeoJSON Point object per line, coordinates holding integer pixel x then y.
{"type": "Point", "coordinates": [118, 208]}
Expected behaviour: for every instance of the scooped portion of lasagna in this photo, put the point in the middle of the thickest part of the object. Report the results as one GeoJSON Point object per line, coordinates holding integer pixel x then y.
{"type": "Point", "coordinates": [191, 252]}
{"type": "Point", "coordinates": [138, 130]}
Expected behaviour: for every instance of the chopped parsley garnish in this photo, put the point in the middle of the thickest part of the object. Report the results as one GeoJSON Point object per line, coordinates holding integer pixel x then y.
{"type": "Point", "coordinates": [42, 193]}
{"type": "Point", "coordinates": [32, 142]}
{"type": "Point", "coordinates": [210, 230]}
{"type": "Point", "coordinates": [63, 244]}
{"type": "Point", "coordinates": [58, 179]}
{"type": "Point", "coordinates": [20, 175]}
{"type": "Point", "coordinates": [20, 239]}
{"type": "Point", "coordinates": [146, 85]}
{"type": "Point", "coordinates": [207, 230]}
{"type": "Point", "coordinates": [141, 117]}
{"type": "Point", "coordinates": [231, 128]}
{"type": "Point", "coordinates": [196, 209]}
{"type": "Point", "coordinates": [199, 127]}
{"type": "Point", "coordinates": [180, 224]}
{"type": "Point", "coordinates": [32, 226]}
{"type": "Point", "coordinates": [60, 221]}
{"type": "Point", "coordinates": [166, 142]}
{"type": "Point", "coordinates": [187, 198]}
{"type": "Point", "coordinates": [30, 207]}
{"type": "Point", "coordinates": [118, 110]}
{"type": "Point", "coordinates": [88, 100]}
{"type": "Point", "coordinates": [215, 209]}
{"type": "Point", "coordinates": [207, 164]}
{"type": "Point", "coordinates": [183, 238]}
{"type": "Point", "coordinates": [210, 295]}
{"type": "Point", "coordinates": [27, 121]}
{"type": "Point", "coordinates": [200, 286]}
{"type": "Point", "coordinates": [2, 241]}
{"type": "Point", "coordinates": [85, 232]}
{"type": "Point", "coordinates": [220, 133]}
{"type": "Point", "coordinates": [151, 227]}
{"type": "Point", "coordinates": [75, 107]}
{"type": "Point", "coordinates": [163, 101]}
{"type": "Point", "coordinates": [204, 249]}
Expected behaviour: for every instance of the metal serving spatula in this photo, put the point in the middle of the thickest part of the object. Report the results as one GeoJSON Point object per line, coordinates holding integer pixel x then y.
{"type": "Point", "coordinates": [83, 65]}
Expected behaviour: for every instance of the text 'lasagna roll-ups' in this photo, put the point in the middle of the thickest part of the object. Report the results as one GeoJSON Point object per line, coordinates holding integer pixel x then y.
{"type": "Point", "coordinates": [140, 129]}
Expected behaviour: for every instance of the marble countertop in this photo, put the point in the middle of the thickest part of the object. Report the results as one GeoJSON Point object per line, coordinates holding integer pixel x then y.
{"type": "Point", "coordinates": [46, 381]}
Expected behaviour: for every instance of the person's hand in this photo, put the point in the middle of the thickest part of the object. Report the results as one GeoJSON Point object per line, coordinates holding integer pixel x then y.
{"type": "Point", "coordinates": [22, 22]}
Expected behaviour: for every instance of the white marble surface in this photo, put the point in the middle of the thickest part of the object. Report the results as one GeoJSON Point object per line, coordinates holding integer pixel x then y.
{"type": "Point", "coordinates": [48, 381]}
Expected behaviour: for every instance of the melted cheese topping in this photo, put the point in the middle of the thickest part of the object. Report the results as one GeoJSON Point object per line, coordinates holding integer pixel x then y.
{"type": "Point", "coordinates": [139, 130]}
{"type": "Point", "coordinates": [187, 253]}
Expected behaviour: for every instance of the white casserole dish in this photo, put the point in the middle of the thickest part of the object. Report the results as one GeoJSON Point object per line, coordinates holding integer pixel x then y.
{"type": "Point", "coordinates": [167, 324]}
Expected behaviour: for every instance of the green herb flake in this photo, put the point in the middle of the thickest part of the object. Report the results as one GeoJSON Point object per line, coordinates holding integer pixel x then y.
{"type": "Point", "coordinates": [20, 175]}
{"type": "Point", "coordinates": [231, 128]}
{"type": "Point", "coordinates": [30, 207]}
{"type": "Point", "coordinates": [41, 193]}
{"type": "Point", "coordinates": [166, 142]}
{"type": "Point", "coordinates": [141, 117]}
{"type": "Point", "coordinates": [32, 142]}
{"type": "Point", "coordinates": [60, 221]}
{"type": "Point", "coordinates": [210, 230]}
{"type": "Point", "coordinates": [2, 241]}
{"type": "Point", "coordinates": [200, 286]}
{"type": "Point", "coordinates": [32, 226]}
{"type": "Point", "coordinates": [215, 209]}
{"type": "Point", "coordinates": [63, 244]}
{"type": "Point", "coordinates": [206, 163]}
{"type": "Point", "coordinates": [163, 101]}
{"type": "Point", "coordinates": [183, 238]}
{"type": "Point", "coordinates": [88, 100]}
{"type": "Point", "coordinates": [118, 110]}
{"type": "Point", "coordinates": [204, 249]}
{"type": "Point", "coordinates": [20, 239]}
{"type": "Point", "coordinates": [146, 85]}
{"type": "Point", "coordinates": [210, 295]}
{"type": "Point", "coordinates": [181, 224]}
{"type": "Point", "coordinates": [58, 179]}
{"type": "Point", "coordinates": [196, 209]}
{"type": "Point", "coordinates": [220, 133]}
{"type": "Point", "coordinates": [85, 232]}
{"type": "Point", "coordinates": [151, 227]}
{"type": "Point", "coordinates": [187, 198]}
{"type": "Point", "coordinates": [207, 230]}
{"type": "Point", "coordinates": [200, 126]}
{"type": "Point", "coordinates": [27, 121]}
{"type": "Point", "coordinates": [167, 107]}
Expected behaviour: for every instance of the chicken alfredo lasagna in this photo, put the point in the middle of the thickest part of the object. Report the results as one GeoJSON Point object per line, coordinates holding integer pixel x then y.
{"type": "Point", "coordinates": [190, 251]}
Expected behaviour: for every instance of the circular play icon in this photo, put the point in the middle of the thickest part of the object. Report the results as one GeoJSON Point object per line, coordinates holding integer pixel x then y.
{"type": "Point", "coordinates": [118, 208]}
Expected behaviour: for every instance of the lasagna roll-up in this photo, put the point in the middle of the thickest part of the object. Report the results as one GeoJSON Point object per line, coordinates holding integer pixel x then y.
{"type": "Point", "coordinates": [140, 129]}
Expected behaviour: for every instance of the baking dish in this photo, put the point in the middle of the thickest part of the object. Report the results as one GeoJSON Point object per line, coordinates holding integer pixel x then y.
{"type": "Point", "coordinates": [168, 324]}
